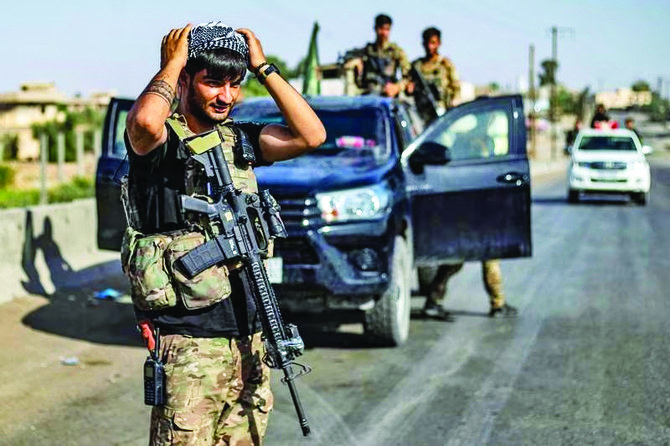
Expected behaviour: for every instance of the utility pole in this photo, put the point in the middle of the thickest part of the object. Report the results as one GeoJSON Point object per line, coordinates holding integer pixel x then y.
{"type": "Point", "coordinates": [531, 96]}
{"type": "Point", "coordinates": [44, 155]}
{"type": "Point", "coordinates": [553, 115]}
{"type": "Point", "coordinates": [552, 101]}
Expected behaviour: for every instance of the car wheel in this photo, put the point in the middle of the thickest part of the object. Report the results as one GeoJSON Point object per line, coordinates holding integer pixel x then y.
{"type": "Point", "coordinates": [573, 196]}
{"type": "Point", "coordinates": [640, 198]}
{"type": "Point", "coordinates": [387, 324]}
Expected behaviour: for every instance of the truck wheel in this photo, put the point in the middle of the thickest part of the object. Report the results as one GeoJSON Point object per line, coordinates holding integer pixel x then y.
{"type": "Point", "coordinates": [641, 198]}
{"type": "Point", "coordinates": [387, 324]}
{"type": "Point", "coordinates": [573, 196]}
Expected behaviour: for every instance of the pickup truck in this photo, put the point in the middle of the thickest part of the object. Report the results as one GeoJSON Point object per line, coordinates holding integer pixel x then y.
{"type": "Point", "coordinates": [372, 211]}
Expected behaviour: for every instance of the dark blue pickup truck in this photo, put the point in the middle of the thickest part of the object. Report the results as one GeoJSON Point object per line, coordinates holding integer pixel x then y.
{"type": "Point", "coordinates": [374, 209]}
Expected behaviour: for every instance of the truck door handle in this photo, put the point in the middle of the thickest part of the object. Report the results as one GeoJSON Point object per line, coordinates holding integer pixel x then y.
{"type": "Point", "coordinates": [513, 178]}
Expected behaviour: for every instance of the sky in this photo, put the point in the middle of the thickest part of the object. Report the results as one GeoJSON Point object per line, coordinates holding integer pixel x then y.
{"type": "Point", "coordinates": [87, 45]}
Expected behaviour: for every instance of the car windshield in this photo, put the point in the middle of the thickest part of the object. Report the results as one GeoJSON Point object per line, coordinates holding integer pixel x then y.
{"type": "Point", "coordinates": [607, 143]}
{"type": "Point", "coordinates": [356, 137]}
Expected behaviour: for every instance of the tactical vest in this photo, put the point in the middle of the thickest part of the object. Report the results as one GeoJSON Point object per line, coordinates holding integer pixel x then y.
{"type": "Point", "coordinates": [149, 260]}
{"type": "Point", "coordinates": [234, 150]}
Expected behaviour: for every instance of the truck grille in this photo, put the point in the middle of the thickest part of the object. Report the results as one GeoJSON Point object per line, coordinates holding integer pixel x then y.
{"type": "Point", "coordinates": [608, 165]}
{"type": "Point", "coordinates": [299, 214]}
{"type": "Point", "coordinates": [295, 251]}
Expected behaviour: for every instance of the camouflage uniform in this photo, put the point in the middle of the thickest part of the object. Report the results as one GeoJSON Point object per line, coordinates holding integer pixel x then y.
{"type": "Point", "coordinates": [441, 74]}
{"type": "Point", "coordinates": [380, 65]}
{"type": "Point", "coordinates": [491, 274]}
{"type": "Point", "coordinates": [217, 387]}
{"type": "Point", "coordinates": [218, 392]}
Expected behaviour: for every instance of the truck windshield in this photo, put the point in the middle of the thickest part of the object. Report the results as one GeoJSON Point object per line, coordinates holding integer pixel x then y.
{"type": "Point", "coordinates": [355, 136]}
{"type": "Point", "coordinates": [607, 143]}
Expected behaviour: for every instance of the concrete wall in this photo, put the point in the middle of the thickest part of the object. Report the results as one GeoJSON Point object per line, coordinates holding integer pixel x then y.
{"type": "Point", "coordinates": [45, 248]}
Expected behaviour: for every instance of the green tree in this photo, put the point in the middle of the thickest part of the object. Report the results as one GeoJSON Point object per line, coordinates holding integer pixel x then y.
{"type": "Point", "coordinates": [88, 118]}
{"type": "Point", "coordinates": [10, 146]}
{"type": "Point", "coordinates": [251, 87]}
{"type": "Point", "coordinates": [548, 75]}
{"type": "Point", "coordinates": [640, 85]}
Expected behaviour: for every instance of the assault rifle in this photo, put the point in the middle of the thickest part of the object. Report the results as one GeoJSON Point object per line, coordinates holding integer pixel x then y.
{"type": "Point", "coordinates": [246, 223]}
{"type": "Point", "coordinates": [372, 77]}
{"type": "Point", "coordinates": [424, 97]}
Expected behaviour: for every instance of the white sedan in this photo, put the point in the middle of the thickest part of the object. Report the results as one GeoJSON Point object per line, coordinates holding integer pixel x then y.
{"type": "Point", "coordinates": [609, 161]}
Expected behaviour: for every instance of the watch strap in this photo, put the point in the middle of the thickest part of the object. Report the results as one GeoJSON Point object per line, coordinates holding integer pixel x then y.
{"type": "Point", "coordinates": [264, 73]}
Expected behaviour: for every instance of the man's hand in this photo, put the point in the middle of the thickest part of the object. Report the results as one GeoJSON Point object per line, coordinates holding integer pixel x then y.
{"type": "Point", "coordinates": [256, 56]}
{"type": "Point", "coordinates": [409, 89]}
{"type": "Point", "coordinates": [391, 90]}
{"type": "Point", "coordinates": [174, 48]}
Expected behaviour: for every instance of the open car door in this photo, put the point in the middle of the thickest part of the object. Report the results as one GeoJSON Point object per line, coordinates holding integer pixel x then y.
{"type": "Point", "coordinates": [468, 181]}
{"type": "Point", "coordinates": [112, 165]}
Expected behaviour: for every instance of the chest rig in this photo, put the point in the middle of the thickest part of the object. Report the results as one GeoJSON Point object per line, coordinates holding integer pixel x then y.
{"type": "Point", "coordinates": [219, 166]}
{"type": "Point", "coordinates": [237, 150]}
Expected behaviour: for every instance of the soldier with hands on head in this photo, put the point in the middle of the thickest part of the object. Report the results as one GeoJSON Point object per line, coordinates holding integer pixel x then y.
{"type": "Point", "coordinates": [384, 67]}
{"type": "Point", "coordinates": [217, 386]}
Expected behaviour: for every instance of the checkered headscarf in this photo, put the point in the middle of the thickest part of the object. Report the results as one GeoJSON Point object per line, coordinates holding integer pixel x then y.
{"type": "Point", "coordinates": [213, 35]}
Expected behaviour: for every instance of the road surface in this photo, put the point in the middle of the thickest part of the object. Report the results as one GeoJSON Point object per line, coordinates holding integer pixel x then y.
{"type": "Point", "coordinates": [585, 363]}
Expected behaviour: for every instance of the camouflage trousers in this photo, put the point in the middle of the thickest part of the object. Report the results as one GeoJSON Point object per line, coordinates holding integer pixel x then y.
{"type": "Point", "coordinates": [218, 392]}
{"type": "Point", "coordinates": [491, 275]}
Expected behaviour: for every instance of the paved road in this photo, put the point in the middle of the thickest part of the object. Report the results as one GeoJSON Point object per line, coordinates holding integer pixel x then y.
{"type": "Point", "coordinates": [585, 363]}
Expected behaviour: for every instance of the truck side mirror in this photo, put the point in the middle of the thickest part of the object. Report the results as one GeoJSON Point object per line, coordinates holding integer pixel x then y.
{"type": "Point", "coordinates": [429, 153]}
{"type": "Point", "coordinates": [647, 150]}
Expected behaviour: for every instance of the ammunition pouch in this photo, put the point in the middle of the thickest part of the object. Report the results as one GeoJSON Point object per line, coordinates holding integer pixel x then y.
{"type": "Point", "coordinates": [157, 283]}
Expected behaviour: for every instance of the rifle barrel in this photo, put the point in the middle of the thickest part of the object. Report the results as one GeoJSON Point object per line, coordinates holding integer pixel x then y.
{"type": "Point", "coordinates": [302, 419]}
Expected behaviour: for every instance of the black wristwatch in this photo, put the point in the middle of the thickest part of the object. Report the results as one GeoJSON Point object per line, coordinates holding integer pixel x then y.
{"type": "Point", "coordinates": [262, 75]}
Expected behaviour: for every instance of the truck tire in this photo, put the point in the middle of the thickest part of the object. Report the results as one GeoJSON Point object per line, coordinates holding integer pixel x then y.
{"type": "Point", "coordinates": [387, 324]}
{"type": "Point", "coordinates": [573, 196]}
{"type": "Point", "coordinates": [640, 198]}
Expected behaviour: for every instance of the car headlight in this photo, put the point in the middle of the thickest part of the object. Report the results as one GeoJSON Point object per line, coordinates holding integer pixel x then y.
{"type": "Point", "coordinates": [362, 203]}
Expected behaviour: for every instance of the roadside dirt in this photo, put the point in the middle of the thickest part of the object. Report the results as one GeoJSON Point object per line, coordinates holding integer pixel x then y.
{"type": "Point", "coordinates": [62, 349]}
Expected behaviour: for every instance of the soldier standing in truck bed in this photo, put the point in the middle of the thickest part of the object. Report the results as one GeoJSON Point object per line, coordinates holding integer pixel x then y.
{"type": "Point", "coordinates": [438, 71]}
{"type": "Point", "coordinates": [381, 61]}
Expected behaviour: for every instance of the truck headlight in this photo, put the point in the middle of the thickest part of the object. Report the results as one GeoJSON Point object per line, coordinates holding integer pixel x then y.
{"type": "Point", "coordinates": [364, 203]}
{"type": "Point", "coordinates": [637, 165]}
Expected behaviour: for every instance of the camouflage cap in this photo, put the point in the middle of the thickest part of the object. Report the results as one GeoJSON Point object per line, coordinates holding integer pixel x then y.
{"type": "Point", "coordinates": [213, 35]}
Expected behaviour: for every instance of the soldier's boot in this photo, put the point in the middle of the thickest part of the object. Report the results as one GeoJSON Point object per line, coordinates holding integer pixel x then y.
{"type": "Point", "coordinates": [438, 288]}
{"type": "Point", "coordinates": [492, 276]}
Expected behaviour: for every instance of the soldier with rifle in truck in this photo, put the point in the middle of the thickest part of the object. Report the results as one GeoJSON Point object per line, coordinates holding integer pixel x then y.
{"type": "Point", "coordinates": [198, 233]}
{"type": "Point", "coordinates": [381, 67]}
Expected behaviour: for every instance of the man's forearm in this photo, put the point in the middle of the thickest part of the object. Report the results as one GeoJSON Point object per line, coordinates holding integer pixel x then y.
{"type": "Point", "coordinates": [302, 121]}
{"type": "Point", "coordinates": [146, 119]}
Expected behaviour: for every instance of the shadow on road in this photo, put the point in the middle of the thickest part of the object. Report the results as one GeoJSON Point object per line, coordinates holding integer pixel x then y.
{"type": "Point", "coordinates": [330, 337]}
{"type": "Point", "coordinates": [592, 201]}
{"type": "Point", "coordinates": [73, 310]}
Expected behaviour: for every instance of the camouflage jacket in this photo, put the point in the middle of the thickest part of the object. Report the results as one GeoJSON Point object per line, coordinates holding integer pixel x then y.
{"type": "Point", "coordinates": [441, 74]}
{"type": "Point", "coordinates": [381, 66]}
